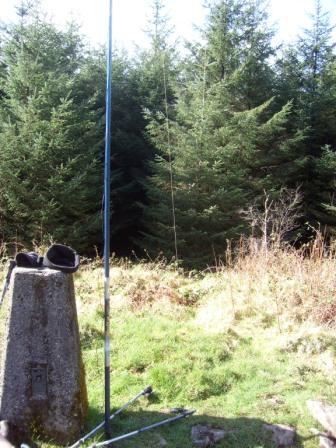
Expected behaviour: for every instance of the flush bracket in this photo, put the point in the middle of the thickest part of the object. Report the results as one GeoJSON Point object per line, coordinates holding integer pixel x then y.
{"type": "Point", "coordinates": [39, 381]}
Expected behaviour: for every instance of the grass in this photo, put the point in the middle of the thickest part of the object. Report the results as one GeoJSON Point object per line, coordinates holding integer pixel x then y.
{"type": "Point", "coordinates": [243, 345]}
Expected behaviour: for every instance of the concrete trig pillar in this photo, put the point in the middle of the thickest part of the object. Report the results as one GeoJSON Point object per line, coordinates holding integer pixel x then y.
{"type": "Point", "coordinates": [42, 383]}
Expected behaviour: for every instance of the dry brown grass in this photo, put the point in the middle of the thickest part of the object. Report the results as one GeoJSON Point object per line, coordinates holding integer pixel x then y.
{"type": "Point", "coordinates": [136, 286]}
{"type": "Point", "coordinates": [260, 283]}
{"type": "Point", "coordinates": [274, 282]}
{"type": "Point", "coordinates": [302, 282]}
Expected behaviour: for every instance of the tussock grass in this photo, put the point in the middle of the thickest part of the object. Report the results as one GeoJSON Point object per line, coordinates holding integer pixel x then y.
{"type": "Point", "coordinates": [287, 284]}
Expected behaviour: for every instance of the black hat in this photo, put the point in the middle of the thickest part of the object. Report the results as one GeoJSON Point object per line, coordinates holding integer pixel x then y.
{"type": "Point", "coordinates": [28, 260]}
{"type": "Point", "coordinates": [62, 258]}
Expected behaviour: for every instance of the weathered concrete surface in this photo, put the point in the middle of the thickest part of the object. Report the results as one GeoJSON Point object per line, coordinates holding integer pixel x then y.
{"type": "Point", "coordinates": [42, 383]}
{"type": "Point", "coordinates": [325, 414]}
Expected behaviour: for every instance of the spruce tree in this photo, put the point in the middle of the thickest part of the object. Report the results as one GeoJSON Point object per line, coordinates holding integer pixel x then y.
{"type": "Point", "coordinates": [319, 102]}
{"type": "Point", "coordinates": [306, 78]}
{"type": "Point", "coordinates": [141, 87]}
{"type": "Point", "coordinates": [53, 88]}
{"type": "Point", "coordinates": [48, 140]}
{"type": "Point", "coordinates": [239, 48]}
{"type": "Point", "coordinates": [325, 212]}
{"type": "Point", "coordinates": [157, 73]}
{"type": "Point", "coordinates": [130, 153]}
{"type": "Point", "coordinates": [227, 144]}
{"type": "Point", "coordinates": [157, 65]}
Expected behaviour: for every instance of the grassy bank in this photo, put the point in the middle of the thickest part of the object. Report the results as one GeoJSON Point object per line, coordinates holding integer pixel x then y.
{"type": "Point", "coordinates": [243, 345]}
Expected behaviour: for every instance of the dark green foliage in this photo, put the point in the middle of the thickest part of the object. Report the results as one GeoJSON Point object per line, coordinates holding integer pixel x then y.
{"type": "Point", "coordinates": [307, 76]}
{"type": "Point", "coordinates": [49, 163]}
{"type": "Point", "coordinates": [139, 85]}
{"type": "Point", "coordinates": [156, 67]}
{"type": "Point", "coordinates": [195, 142]}
{"type": "Point", "coordinates": [157, 73]}
{"type": "Point", "coordinates": [52, 140]}
{"type": "Point", "coordinates": [219, 168]}
{"type": "Point", "coordinates": [326, 167]}
{"type": "Point", "coordinates": [131, 151]}
{"type": "Point", "coordinates": [238, 50]}
{"type": "Point", "coordinates": [227, 144]}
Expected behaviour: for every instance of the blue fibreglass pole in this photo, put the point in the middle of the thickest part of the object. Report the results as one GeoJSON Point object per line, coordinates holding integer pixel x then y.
{"type": "Point", "coordinates": [107, 180]}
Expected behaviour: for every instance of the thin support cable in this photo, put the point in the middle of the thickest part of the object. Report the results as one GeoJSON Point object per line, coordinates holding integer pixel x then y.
{"type": "Point", "coordinates": [170, 158]}
{"type": "Point", "coordinates": [200, 145]}
{"type": "Point", "coordinates": [203, 93]}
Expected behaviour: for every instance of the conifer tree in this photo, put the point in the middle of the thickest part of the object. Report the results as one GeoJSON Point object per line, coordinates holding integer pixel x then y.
{"type": "Point", "coordinates": [239, 48]}
{"type": "Point", "coordinates": [306, 77]}
{"type": "Point", "coordinates": [130, 153]}
{"type": "Point", "coordinates": [48, 139]}
{"type": "Point", "coordinates": [52, 85]}
{"type": "Point", "coordinates": [319, 103]}
{"type": "Point", "coordinates": [326, 163]}
{"type": "Point", "coordinates": [157, 64]}
{"type": "Point", "coordinates": [224, 152]}
{"type": "Point", "coordinates": [157, 74]}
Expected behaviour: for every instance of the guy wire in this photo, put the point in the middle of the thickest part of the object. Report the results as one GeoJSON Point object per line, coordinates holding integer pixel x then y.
{"type": "Point", "coordinates": [170, 158]}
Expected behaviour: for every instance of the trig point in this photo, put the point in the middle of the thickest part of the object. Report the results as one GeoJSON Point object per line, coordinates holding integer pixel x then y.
{"type": "Point", "coordinates": [42, 383]}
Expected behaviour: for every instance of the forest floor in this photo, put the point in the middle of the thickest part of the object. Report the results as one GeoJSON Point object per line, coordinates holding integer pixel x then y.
{"type": "Point", "coordinates": [243, 345]}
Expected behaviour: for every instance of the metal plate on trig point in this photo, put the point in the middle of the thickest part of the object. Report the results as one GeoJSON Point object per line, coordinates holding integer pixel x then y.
{"type": "Point", "coordinates": [39, 381]}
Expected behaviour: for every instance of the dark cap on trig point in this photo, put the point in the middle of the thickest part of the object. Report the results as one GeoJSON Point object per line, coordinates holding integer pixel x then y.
{"type": "Point", "coordinates": [28, 260]}
{"type": "Point", "coordinates": [62, 258]}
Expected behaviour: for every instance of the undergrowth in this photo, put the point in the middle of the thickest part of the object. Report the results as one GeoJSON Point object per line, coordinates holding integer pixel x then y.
{"type": "Point", "coordinates": [243, 344]}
